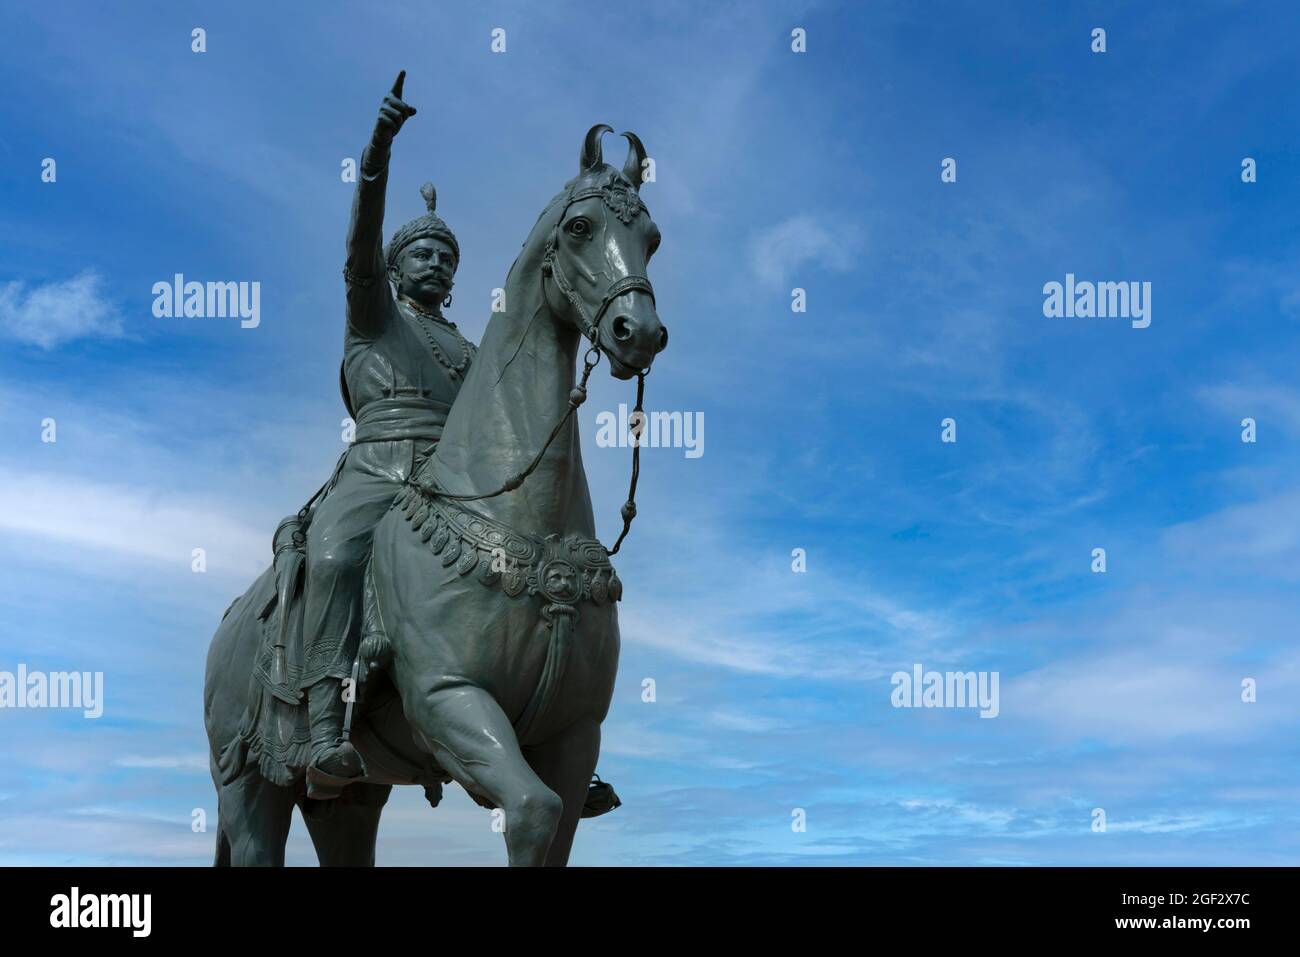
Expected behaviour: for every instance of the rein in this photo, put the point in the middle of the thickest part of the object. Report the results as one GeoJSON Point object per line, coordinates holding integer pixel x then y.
{"type": "Point", "coordinates": [578, 395]}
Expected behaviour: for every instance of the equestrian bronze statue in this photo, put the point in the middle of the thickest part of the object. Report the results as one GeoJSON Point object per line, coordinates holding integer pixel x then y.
{"type": "Point", "coordinates": [441, 609]}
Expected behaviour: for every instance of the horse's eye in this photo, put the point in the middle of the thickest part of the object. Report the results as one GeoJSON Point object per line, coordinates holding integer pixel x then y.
{"type": "Point", "coordinates": [579, 227]}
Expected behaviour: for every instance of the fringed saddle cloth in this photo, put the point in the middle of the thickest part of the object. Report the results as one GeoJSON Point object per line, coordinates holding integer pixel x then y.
{"type": "Point", "coordinates": [274, 731]}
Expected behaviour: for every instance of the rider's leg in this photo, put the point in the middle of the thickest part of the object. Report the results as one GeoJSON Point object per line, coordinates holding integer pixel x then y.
{"type": "Point", "coordinates": [326, 708]}
{"type": "Point", "coordinates": [338, 548]}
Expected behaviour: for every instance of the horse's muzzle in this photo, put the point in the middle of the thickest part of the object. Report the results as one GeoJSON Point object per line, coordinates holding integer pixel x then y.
{"type": "Point", "coordinates": [632, 335]}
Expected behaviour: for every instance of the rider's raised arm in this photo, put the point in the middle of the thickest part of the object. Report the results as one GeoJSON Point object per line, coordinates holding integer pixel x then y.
{"type": "Point", "coordinates": [369, 296]}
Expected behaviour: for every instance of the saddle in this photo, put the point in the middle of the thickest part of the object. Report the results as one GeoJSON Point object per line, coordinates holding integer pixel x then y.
{"type": "Point", "coordinates": [274, 731]}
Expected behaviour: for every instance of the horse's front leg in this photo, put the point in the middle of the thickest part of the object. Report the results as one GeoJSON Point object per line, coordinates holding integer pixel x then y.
{"type": "Point", "coordinates": [566, 762]}
{"type": "Point", "coordinates": [469, 735]}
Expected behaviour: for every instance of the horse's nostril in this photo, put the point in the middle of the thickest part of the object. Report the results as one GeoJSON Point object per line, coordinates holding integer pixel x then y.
{"type": "Point", "coordinates": [622, 329]}
{"type": "Point", "coordinates": [663, 338]}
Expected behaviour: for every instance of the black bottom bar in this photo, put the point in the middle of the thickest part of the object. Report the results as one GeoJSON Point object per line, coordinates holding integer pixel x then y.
{"type": "Point", "coordinates": [416, 904]}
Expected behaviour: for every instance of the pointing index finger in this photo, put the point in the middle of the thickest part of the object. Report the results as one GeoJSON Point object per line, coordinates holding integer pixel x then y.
{"type": "Point", "coordinates": [397, 84]}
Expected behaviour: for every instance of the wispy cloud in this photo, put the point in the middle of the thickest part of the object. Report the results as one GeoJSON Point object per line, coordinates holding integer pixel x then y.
{"type": "Point", "coordinates": [146, 524]}
{"type": "Point", "coordinates": [164, 762]}
{"type": "Point", "coordinates": [782, 252]}
{"type": "Point", "coordinates": [1267, 403]}
{"type": "Point", "coordinates": [57, 312]}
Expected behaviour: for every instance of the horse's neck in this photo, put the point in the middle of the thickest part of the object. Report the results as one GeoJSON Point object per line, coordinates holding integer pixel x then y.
{"type": "Point", "coordinates": [516, 391]}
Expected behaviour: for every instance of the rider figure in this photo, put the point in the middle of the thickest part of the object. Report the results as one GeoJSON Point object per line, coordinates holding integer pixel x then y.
{"type": "Point", "coordinates": [403, 364]}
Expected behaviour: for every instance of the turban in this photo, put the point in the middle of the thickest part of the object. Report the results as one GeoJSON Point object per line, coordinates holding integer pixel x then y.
{"type": "Point", "coordinates": [429, 226]}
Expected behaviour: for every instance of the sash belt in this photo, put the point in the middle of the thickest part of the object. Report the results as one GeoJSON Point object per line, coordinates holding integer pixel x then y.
{"type": "Point", "coordinates": [401, 417]}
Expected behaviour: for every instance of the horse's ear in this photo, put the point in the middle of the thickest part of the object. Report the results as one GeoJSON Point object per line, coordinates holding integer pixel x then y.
{"type": "Point", "coordinates": [591, 157]}
{"type": "Point", "coordinates": [635, 162]}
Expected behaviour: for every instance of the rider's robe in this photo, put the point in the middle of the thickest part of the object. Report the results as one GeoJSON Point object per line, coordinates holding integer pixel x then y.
{"type": "Point", "coordinates": [399, 394]}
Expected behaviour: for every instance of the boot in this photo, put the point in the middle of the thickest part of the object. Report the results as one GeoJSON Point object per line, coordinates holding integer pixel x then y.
{"type": "Point", "coordinates": [335, 762]}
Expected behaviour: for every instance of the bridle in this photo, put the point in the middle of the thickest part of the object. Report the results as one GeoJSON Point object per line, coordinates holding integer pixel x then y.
{"type": "Point", "coordinates": [628, 204]}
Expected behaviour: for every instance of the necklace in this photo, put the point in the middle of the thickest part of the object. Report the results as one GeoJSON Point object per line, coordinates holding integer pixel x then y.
{"type": "Point", "coordinates": [455, 370]}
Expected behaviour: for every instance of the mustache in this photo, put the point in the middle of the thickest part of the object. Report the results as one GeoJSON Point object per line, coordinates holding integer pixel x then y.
{"type": "Point", "coordinates": [442, 276]}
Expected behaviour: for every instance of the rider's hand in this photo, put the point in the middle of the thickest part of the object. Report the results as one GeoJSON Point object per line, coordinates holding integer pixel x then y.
{"type": "Point", "coordinates": [392, 114]}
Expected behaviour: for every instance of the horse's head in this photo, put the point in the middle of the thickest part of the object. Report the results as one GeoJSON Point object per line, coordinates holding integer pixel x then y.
{"type": "Point", "coordinates": [594, 267]}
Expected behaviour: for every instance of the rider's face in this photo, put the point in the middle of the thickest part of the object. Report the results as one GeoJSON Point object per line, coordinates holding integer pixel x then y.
{"type": "Point", "coordinates": [425, 270]}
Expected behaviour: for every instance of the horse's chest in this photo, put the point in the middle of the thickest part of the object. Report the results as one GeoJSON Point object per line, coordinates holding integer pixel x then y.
{"type": "Point", "coordinates": [530, 619]}
{"type": "Point", "coordinates": [559, 572]}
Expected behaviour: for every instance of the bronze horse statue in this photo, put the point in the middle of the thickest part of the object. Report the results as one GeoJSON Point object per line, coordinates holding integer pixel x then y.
{"type": "Point", "coordinates": [491, 635]}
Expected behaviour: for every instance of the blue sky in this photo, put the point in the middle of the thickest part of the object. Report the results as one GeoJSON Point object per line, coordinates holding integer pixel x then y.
{"type": "Point", "coordinates": [822, 430]}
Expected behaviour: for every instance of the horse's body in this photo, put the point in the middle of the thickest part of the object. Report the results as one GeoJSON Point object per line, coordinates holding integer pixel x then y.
{"type": "Point", "coordinates": [499, 612]}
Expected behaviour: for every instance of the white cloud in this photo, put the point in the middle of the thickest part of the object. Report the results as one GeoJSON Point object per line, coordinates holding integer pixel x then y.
{"type": "Point", "coordinates": [749, 630]}
{"type": "Point", "coordinates": [736, 720]}
{"type": "Point", "coordinates": [970, 813]}
{"type": "Point", "coordinates": [57, 312]}
{"type": "Point", "coordinates": [731, 602]}
{"type": "Point", "coordinates": [165, 762]}
{"type": "Point", "coordinates": [1262, 401]}
{"type": "Point", "coordinates": [1255, 538]}
{"type": "Point", "coordinates": [781, 251]}
{"type": "Point", "coordinates": [1173, 687]}
{"type": "Point", "coordinates": [143, 524]}
{"type": "Point", "coordinates": [1132, 698]}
